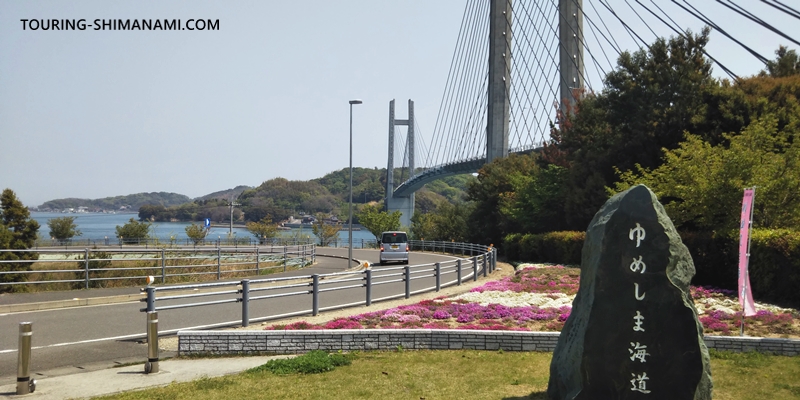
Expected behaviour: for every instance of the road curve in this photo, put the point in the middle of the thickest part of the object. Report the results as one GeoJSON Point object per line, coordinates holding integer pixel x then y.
{"type": "Point", "coordinates": [68, 340]}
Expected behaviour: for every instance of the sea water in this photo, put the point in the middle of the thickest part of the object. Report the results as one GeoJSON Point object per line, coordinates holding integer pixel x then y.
{"type": "Point", "coordinates": [99, 226]}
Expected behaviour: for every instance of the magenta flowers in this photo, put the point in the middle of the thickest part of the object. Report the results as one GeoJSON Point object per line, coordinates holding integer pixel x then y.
{"type": "Point", "coordinates": [539, 298]}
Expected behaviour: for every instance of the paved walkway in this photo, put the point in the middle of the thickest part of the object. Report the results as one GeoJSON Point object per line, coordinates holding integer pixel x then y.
{"type": "Point", "coordinates": [122, 379]}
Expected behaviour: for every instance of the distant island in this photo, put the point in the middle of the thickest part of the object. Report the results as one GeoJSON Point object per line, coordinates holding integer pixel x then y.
{"type": "Point", "coordinates": [278, 199]}
{"type": "Point", "coordinates": [131, 202]}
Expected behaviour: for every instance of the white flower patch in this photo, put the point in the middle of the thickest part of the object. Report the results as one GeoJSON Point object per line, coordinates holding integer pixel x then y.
{"type": "Point", "coordinates": [514, 299]}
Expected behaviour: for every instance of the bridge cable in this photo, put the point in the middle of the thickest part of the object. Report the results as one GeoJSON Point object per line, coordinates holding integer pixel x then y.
{"type": "Point", "coordinates": [517, 80]}
{"type": "Point", "coordinates": [442, 118]}
{"type": "Point", "coordinates": [594, 33]}
{"type": "Point", "coordinates": [530, 77]}
{"type": "Point", "coordinates": [642, 19]}
{"type": "Point", "coordinates": [757, 20]}
{"type": "Point", "coordinates": [456, 133]}
{"type": "Point", "coordinates": [704, 19]}
{"type": "Point", "coordinates": [684, 34]}
{"type": "Point", "coordinates": [614, 45]}
{"type": "Point", "coordinates": [472, 98]}
{"type": "Point", "coordinates": [783, 7]}
{"type": "Point", "coordinates": [630, 30]}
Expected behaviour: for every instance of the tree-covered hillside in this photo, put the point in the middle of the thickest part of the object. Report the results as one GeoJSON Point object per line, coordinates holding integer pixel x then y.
{"type": "Point", "coordinates": [131, 202]}
{"type": "Point", "coordinates": [225, 194]}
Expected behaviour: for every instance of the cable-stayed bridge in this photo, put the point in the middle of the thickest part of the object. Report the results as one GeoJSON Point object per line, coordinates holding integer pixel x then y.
{"type": "Point", "coordinates": [518, 64]}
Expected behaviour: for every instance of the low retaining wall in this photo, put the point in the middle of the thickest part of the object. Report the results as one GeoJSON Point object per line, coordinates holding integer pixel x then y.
{"type": "Point", "coordinates": [292, 342]}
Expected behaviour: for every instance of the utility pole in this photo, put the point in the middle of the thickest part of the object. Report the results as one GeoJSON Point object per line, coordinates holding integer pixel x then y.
{"type": "Point", "coordinates": [230, 231]}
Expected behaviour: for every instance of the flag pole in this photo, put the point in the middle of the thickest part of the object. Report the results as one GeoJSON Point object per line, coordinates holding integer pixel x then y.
{"type": "Point", "coordinates": [749, 238]}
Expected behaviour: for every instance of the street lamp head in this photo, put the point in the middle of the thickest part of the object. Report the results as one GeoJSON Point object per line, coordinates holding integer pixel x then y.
{"type": "Point", "coordinates": [355, 102]}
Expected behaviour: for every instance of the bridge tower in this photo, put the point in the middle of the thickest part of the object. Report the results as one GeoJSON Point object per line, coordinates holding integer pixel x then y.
{"type": "Point", "coordinates": [570, 32]}
{"type": "Point", "coordinates": [404, 204]}
{"type": "Point", "coordinates": [570, 35]}
{"type": "Point", "coordinates": [499, 90]}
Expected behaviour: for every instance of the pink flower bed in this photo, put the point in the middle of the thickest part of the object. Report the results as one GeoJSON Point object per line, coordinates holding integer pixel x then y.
{"type": "Point", "coordinates": [443, 313]}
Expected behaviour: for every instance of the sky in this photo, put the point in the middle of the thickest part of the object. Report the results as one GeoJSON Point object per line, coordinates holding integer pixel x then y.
{"type": "Point", "coordinates": [97, 113]}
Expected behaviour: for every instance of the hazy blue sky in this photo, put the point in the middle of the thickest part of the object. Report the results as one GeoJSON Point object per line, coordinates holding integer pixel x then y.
{"type": "Point", "coordinates": [92, 114]}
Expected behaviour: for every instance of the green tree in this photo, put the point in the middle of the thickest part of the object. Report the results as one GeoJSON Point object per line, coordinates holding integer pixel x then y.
{"type": "Point", "coordinates": [701, 185]}
{"type": "Point", "coordinates": [536, 199]}
{"type": "Point", "coordinates": [133, 231]}
{"type": "Point", "coordinates": [452, 221]}
{"type": "Point", "coordinates": [17, 232]}
{"type": "Point", "coordinates": [423, 225]}
{"type": "Point", "coordinates": [377, 221]}
{"type": "Point", "coordinates": [263, 230]}
{"type": "Point", "coordinates": [196, 233]}
{"type": "Point", "coordinates": [326, 233]}
{"type": "Point", "coordinates": [786, 63]}
{"type": "Point", "coordinates": [649, 100]}
{"type": "Point", "coordinates": [63, 228]}
{"type": "Point", "coordinates": [487, 224]}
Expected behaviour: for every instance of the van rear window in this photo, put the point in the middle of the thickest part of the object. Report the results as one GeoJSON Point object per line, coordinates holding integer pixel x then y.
{"type": "Point", "coordinates": [399, 237]}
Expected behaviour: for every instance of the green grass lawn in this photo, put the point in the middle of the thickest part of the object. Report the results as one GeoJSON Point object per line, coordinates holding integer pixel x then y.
{"type": "Point", "coordinates": [463, 375]}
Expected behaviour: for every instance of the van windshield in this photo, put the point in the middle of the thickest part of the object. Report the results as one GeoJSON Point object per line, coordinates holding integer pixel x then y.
{"type": "Point", "coordinates": [397, 237]}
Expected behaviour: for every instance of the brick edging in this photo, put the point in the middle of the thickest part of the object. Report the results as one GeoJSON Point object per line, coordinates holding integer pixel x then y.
{"type": "Point", "coordinates": [301, 341]}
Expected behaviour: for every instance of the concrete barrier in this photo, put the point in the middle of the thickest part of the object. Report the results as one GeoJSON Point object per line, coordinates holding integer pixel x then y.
{"type": "Point", "coordinates": [293, 342]}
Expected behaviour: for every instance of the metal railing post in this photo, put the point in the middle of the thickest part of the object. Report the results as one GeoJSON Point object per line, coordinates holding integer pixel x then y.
{"type": "Point", "coordinates": [438, 276]}
{"type": "Point", "coordinates": [484, 266]}
{"type": "Point", "coordinates": [458, 270]}
{"type": "Point", "coordinates": [474, 268]}
{"type": "Point", "coordinates": [24, 383]}
{"type": "Point", "coordinates": [284, 261]}
{"type": "Point", "coordinates": [163, 266]}
{"type": "Point", "coordinates": [151, 298]}
{"type": "Point", "coordinates": [86, 267]}
{"type": "Point", "coordinates": [315, 295]}
{"type": "Point", "coordinates": [407, 279]}
{"type": "Point", "coordinates": [369, 287]}
{"type": "Point", "coordinates": [151, 366]}
{"type": "Point", "coordinates": [219, 263]}
{"type": "Point", "coordinates": [245, 302]}
{"type": "Point", "coordinates": [494, 259]}
{"type": "Point", "coordinates": [258, 259]}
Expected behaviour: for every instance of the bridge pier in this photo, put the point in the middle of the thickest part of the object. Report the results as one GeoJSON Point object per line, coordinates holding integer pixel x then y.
{"type": "Point", "coordinates": [404, 204]}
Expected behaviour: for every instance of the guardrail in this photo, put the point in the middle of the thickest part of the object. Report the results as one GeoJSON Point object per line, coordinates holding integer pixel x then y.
{"type": "Point", "coordinates": [182, 243]}
{"type": "Point", "coordinates": [91, 267]}
{"type": "Point", "coordinates": [242, 292]}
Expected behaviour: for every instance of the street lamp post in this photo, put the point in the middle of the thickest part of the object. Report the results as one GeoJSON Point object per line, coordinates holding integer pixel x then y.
{"type": "Point", "coordinates": [350, 214]}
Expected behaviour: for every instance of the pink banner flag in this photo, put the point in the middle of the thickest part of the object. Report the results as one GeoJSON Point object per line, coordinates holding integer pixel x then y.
{"type": "Point", "coordinates": [745, 294]}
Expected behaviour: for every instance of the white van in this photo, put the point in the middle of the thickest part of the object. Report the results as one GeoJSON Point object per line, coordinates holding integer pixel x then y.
{"type": "Point", "coordinates": [394, 247]}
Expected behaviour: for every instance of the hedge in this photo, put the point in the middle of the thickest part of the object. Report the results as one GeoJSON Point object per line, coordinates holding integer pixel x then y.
{"type": "Point", "coordinates": [774, 258]}
{"type": "Point", "coordinates": [552, 247]}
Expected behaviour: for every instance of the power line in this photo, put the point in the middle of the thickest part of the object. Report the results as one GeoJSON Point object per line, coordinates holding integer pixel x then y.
{"type": "Point", "coordinates": [783, 7]}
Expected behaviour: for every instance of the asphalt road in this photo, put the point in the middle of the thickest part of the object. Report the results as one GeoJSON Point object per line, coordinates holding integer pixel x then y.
{"type": "Point", "coordinates": [92, 337]}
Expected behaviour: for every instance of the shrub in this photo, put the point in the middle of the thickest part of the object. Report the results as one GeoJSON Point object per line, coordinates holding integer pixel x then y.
{"type": "Point", "coordinates": [774, 258]}
{"type": "Point", "coordinates": [552, 247]}
{"type": "Point", "coordinates": [313, 362]}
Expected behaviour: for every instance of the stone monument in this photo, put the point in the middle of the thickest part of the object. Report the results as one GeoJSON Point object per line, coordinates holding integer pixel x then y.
{"type": "Point", "coordinates": [633, 332]}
